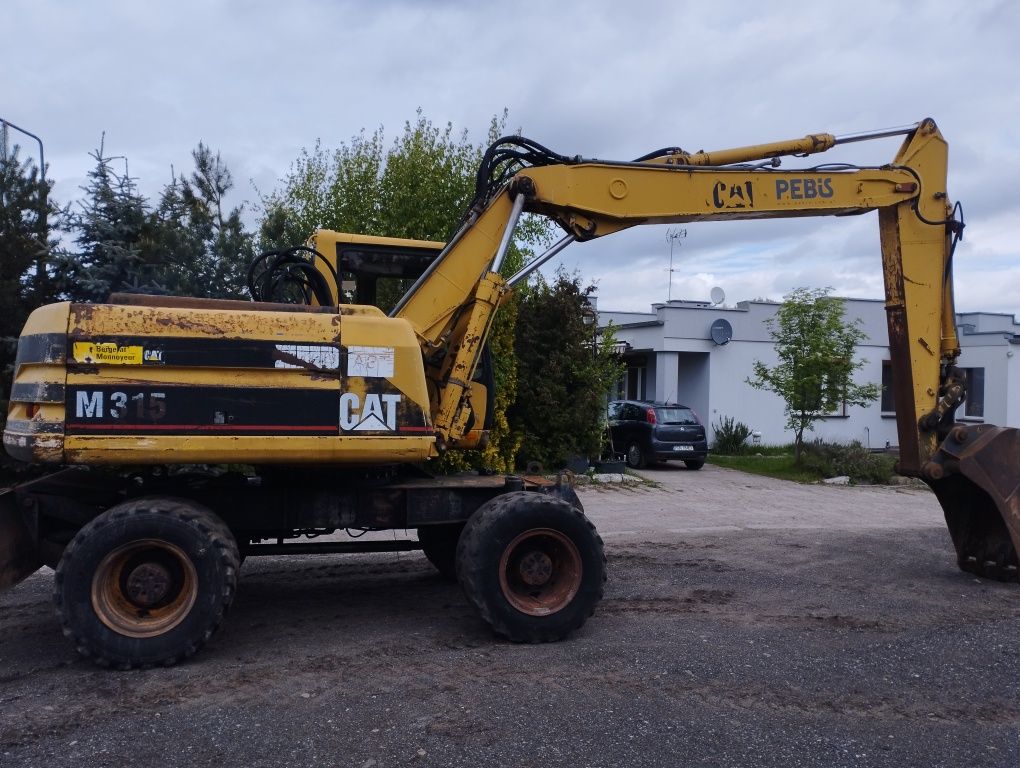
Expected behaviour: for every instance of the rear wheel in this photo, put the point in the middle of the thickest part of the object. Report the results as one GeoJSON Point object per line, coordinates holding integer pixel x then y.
{"type": "Point", "coordinates": [146, 582]}
{"type": "Point", "coordinates": [532, 565]}
{"type": "Point", "coordinates": [635, 456]}
{"type": "Point", "coordinates": [694, 463]}
{"type": "Point", "coordinates": [439, 543]}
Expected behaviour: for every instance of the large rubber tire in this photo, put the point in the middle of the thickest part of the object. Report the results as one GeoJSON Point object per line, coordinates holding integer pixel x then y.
{"type": "Point", "coordinates": [635, 456]}
{"type": "Point", "coordinates": [439, 543]}
{"type": "Point", "coordinates": [694, 463]}
{"type": "Point", "coordinates": [146, 583]}
{"type": "Point", "coordinates": [532, 565]}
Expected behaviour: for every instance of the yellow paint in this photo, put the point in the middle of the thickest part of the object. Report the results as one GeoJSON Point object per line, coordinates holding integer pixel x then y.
{"type": "Point", "coordinates": [243, 449]}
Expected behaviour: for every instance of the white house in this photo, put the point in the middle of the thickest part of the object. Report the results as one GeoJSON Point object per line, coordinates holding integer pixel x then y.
{"type": "Point", "coordinates": [671, 355]}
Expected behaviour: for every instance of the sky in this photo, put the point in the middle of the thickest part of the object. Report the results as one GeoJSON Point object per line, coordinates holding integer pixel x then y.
{"type": "Point", "coordinates": [258, 81]}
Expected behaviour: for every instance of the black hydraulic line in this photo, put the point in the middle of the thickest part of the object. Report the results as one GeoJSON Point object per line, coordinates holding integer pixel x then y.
{"type": "Point", "coordinates": [291, 267]}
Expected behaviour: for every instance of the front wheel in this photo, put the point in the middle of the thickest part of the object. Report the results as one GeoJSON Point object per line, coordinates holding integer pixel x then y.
{"type": "Point", "coordinates": [532, 565]}
{"type": "Point", "coordinates": [146, 582]}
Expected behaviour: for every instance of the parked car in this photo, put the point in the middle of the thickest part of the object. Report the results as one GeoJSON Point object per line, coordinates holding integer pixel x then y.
{"type": "Point", "coordinates": [646, 432]}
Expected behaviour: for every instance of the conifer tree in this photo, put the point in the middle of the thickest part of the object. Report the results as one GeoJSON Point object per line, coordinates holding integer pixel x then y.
{"type": "Point", "coordinates": [198, 247]}
{"type": "Point", "coordinates": [566, 367]}
{"type": "Point", "coordinates": [111, 225]}
{"type": "Point", "coordinates": [26, 222]}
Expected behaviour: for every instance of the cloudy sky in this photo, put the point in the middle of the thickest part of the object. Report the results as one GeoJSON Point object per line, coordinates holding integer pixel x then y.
{"type": "Point", "coordinates": [259, 81]}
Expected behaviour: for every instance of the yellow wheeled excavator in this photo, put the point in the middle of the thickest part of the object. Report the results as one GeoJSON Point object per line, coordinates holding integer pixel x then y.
{"type": "Point", "coordinates": [335, 407]}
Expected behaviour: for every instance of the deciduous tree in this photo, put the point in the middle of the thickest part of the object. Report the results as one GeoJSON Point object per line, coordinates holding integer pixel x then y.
{"type": "Point", "coordinates": [816, 347]}
{"type": "Point", "coordinates": [418, 188]}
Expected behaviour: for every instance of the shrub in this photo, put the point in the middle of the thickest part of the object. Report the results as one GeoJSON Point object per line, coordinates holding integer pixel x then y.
{"type": "Point", "coordinates": [850, 459]}
{"type": "Point", "coordinates": [730, 436]}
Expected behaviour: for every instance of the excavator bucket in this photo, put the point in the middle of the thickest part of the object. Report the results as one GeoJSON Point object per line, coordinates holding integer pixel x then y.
{"type": "Point", "coordinates": [18, 555]}
{"type": "Point", "coordinates": [976, 477]}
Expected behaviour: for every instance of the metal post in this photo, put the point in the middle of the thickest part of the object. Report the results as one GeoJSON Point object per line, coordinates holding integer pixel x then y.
{"type": "Point", "coordinates": [42, 159]}
{"type": "Point", "coordinates": [41, 276]}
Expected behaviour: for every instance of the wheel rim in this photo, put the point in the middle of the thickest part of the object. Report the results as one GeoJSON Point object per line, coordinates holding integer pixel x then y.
{"type": "Point", "coordinates": [144, 588]}
{"type": "Point", "coordinates": [540, 572]}
{"type": "Point", "coordinates": [634, 455]}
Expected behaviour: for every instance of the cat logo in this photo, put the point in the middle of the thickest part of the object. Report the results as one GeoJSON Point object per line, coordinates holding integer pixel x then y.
{"type": "Point", "coordinates": [378, 414]}
{"type": "Point", "coordinates": [153, 356]}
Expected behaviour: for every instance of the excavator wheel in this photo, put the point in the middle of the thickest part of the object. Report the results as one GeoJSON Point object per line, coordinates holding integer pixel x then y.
{"type": "Point", "coordinates": [532, 565]}
{"type": "Point", "coordinates": [439, 543]}
{"type": "Point", "coordinates": [146, 583]}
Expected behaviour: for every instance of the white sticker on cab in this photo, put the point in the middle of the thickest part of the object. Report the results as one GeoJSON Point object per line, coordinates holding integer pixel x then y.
{"type": "Point", "coordinates": [370, 362]}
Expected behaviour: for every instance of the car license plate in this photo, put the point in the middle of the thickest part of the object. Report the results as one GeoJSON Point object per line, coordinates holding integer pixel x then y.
{"type": "Point", "coordinates": [683, 447]}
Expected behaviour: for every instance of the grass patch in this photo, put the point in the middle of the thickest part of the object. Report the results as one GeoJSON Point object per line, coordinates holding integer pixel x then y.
{"type": "Point", "coordinates": [818, 461]}
{"type": "Point", "coordinates": [777, 465]}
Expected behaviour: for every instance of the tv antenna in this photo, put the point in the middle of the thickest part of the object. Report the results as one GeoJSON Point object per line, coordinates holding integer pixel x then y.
{"type": "Point", "coordinates": [673, 235]}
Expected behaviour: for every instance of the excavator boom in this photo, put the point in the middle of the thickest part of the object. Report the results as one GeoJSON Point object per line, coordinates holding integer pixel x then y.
{"type": "Point", "coordinates": [451, 308]}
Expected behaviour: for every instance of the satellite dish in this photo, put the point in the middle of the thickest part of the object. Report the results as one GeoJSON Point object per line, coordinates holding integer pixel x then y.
{"type": "Point", "coordinates": [718, 295]}
{"type": "Point", "coordinates": [721, 331]}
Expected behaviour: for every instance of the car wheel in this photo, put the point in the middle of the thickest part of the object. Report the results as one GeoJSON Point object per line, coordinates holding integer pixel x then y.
{"type": "Point", "coordinates": [635, 456]}
{"type": "Point", "coordinates": [532, 565]}
{"type": "Point", "coordinates": [146, 583]}
{"type": "Point", "coordinates": [694, 463]}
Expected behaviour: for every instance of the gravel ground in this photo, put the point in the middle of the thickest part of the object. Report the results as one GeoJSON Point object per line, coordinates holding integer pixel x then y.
{"type": "Point", "coordinates": [746, 622]}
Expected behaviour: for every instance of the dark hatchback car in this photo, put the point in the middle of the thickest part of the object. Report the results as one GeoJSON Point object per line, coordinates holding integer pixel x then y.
{"type": "Point", "coordinates": [646, 432]}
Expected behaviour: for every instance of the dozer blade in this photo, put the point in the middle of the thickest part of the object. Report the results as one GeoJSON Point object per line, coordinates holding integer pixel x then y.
{"type": "Point", "coordinates": [19, 558]}
{"type": "Point", "coordinates": [976, 477]}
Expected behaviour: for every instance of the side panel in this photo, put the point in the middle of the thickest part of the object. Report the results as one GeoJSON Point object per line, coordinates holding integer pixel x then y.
{"type": "Point", "coordinates": [156, 385]}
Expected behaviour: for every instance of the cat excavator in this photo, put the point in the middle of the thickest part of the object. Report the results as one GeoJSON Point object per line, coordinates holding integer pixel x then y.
{"type": "Point", "coordinates": [182, 435]}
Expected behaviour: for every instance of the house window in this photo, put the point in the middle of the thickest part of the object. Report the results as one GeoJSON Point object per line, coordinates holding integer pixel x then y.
{"type": "Point", "coordinates": [888, 402]}
{"type": "Point", "coordinates": [974, 405]}
{"type": "Point", "coordinates": [841, 409]}
{"type": "Point", "coordinates": [631, 386]}
{"type": "Point", "coordinates": [974, 380]}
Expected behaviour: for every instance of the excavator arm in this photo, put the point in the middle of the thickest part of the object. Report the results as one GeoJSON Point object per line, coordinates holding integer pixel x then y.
{"type": "Point", "coordinates": [451, 306]}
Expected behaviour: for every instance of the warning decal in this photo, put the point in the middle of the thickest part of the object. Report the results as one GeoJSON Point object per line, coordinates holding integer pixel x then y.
{"type": "Point", "coordinates": [108, 354]}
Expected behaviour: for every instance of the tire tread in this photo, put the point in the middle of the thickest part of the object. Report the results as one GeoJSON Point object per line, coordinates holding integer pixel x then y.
{"type": "Point", "coordinates": [182, 510]}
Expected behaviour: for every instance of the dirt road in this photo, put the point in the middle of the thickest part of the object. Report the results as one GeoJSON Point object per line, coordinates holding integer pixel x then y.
{"type": "Point", "coordinates": [746, 622]}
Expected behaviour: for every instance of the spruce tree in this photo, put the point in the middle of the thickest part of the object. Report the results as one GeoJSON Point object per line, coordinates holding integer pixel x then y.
{"type": "Point", "coordinates": [112, 226]}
